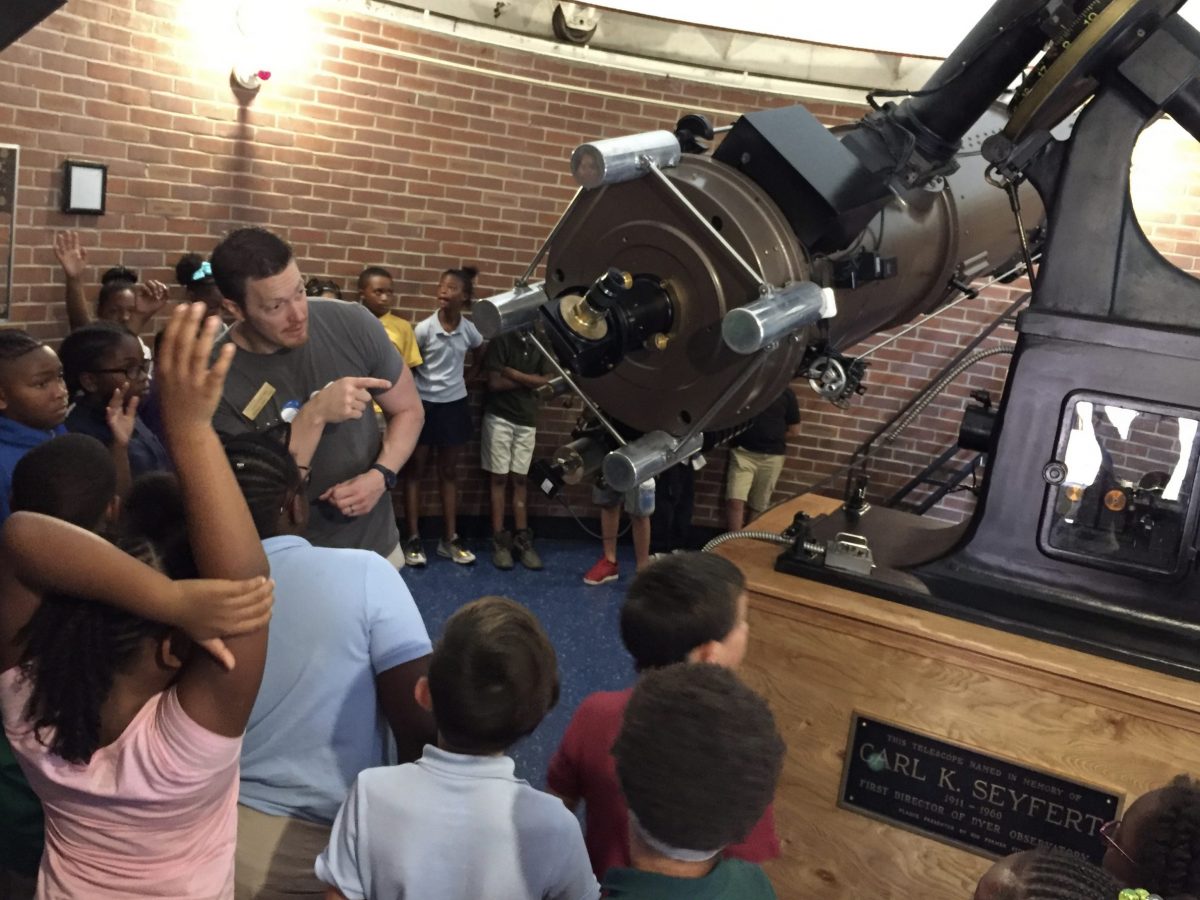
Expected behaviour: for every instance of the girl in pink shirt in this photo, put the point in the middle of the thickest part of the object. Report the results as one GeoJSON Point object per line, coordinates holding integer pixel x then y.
{"type": "Point", "coordinates": [128, 736]}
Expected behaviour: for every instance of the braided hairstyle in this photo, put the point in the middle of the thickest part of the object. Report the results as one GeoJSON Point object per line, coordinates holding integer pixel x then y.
{"type": "Point", "coordinates": [73, 650]}
{"type": "Point", "coordinates": [1167, 845]}
{"type": "Point", "coordinates": [466, 275]}
{"type": "Point", "coordinates": [266, 473]}
{"type": "Point", "coordinates": [82, 349]}
{"type": "Point", "coordinates": [15, 343]}
{"type": "Point", "coordinates": [1050, 874]}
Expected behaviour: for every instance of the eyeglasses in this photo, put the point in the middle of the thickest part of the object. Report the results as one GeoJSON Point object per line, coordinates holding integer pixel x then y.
{"type": "Point", "coordinates": [131, 372]}
{"type": "Point", "coordinates": [1108, 831]}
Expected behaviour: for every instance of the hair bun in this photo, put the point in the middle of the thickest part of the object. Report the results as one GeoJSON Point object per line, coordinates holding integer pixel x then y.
{"type": "Point", "coordinates": [469, 271]}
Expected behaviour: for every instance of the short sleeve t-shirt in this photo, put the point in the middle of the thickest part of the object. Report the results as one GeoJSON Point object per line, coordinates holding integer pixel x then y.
{"type": "Point", "coordinates": [729, 879]}
{"type": "Point", "coordinates": [265, 389]}
{"type": "Point", "coordinates": [153, 814]}
{"type": "Point", "coordinates": [584, 767]}
{"type": "Point", "coordinates": [316, 722]}
{"type": "Point", "coordinates": [440, 378]}
{"type": "Point", "coordinates": [403, 339]}
{"type": "Point", "coordinates": [514, 351]}
{"type": "Point", "coordinates": [491, 835]}
{"type": "Point", "coordinates": [768, 430]}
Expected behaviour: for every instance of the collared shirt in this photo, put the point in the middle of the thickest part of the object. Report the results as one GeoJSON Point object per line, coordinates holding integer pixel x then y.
{"type": "Point", "coordinates": [341, 618]}
{"type": "Point", "coordinates": [440, 378]}
{"type": "Point", "coordinates": [455, 826]}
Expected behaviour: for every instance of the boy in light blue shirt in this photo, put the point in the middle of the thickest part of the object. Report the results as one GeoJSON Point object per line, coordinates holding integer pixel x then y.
{"type": "Point", "coordinates": [458, 824]}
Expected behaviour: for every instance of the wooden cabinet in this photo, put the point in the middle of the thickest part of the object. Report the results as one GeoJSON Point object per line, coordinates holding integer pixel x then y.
{"type": "Point", "coordinates": [819, 654]}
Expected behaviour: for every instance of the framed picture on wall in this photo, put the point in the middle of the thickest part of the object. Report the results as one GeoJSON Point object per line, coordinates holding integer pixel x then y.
{"type": "Point", "coordinates": [84, 187]}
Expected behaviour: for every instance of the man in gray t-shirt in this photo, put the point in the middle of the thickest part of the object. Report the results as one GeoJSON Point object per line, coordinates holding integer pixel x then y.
{"type": "Point", "coordinates": [317, 365]}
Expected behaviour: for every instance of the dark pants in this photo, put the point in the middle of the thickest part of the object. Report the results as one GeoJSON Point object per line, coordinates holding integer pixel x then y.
{"type": "Point", "coordinates": [674, 497]}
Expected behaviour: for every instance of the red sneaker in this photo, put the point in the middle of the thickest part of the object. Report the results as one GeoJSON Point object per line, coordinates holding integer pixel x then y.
{"type": "Point", "coordinates": [601, 573]}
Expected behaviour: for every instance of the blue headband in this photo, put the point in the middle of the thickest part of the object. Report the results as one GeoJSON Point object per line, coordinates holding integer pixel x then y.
{"type": "Point", "coordinates": [205, 271]}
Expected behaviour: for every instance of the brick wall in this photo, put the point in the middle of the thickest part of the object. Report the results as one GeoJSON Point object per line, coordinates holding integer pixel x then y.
{"type": "Point", "coordinates": [393, 146]}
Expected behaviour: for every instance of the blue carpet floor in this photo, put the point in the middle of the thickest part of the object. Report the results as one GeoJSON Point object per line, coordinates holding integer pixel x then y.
{"type": "Point", "coordinates": [581, 621]}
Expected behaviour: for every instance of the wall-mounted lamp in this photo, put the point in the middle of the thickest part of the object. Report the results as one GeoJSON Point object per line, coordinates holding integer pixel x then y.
{"type": "Point", "coordinates": [249, 77]}
{"type": "Point", "coordinates": [84, 187]}
{"type": "Point", "coordinates": [257, 24]}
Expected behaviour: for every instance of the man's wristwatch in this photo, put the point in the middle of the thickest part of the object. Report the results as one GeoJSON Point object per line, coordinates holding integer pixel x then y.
{"type": "Point", "coordinates": [389, 477]}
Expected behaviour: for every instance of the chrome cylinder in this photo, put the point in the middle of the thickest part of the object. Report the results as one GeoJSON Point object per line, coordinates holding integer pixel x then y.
{"type": "Point", "coordinates": [623, 158]}
{"type": "Point", "coordinates": [628, 466]}
{"type": "Point", "coordinates": [749, 328]}
{"type": "Point", "coordinates": [510, 311]}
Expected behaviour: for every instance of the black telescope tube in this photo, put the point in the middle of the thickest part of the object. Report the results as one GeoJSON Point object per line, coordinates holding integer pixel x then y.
{"type": "Point", "coordinates": [993, 54]}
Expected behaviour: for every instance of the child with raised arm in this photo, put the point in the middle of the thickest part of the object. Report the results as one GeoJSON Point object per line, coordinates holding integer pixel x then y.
{"type": "Point", "coordinates": [98, 678]}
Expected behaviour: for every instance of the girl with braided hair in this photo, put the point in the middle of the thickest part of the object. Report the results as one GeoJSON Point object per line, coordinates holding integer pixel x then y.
{"type": "Point", "coordinates": [1046, 874]}
{"type": "Point", "coordinates": [130, 738]}
{"type": "Point", "coordinates": [1156, 845]}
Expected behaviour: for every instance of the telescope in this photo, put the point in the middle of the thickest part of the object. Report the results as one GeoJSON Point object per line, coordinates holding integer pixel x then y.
{"type": "Point", "coordinates": [686, 287]}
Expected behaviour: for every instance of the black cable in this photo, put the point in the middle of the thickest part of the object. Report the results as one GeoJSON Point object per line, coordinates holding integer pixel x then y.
{"type": "Point", "coordinates": [578, 521]}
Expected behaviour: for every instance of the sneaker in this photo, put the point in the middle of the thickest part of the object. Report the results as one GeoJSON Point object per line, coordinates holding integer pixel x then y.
{"type": "Point", "coordinates": [414, 553]}
{"type": "Point", "coordinates": [453, 550]}
{"type": "Point", "coordinates": [502, 547]}
{"type": "Point", "coordinates": [523, 544]}
{"type": "Point", "coordinates": [601, 573]}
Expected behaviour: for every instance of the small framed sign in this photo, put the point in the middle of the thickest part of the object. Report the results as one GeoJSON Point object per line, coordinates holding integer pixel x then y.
{"type": "Point", "coordinates": [84, 187]}
{"type": "Point", "coordinates": [967, 798]}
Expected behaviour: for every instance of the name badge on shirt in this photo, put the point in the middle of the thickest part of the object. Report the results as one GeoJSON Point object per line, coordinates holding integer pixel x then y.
{"type": "Point", "coordinates": [258, 401]}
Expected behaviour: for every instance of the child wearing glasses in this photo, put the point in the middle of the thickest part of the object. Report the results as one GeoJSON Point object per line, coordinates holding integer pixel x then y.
{"type": "Point", "coordinates": [107, 376]}
{"type": "Point", "coordinates": [1156, 844]}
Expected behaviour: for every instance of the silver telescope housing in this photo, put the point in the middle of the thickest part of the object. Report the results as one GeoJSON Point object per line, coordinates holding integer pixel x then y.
{"type": "Point", "coordinates": [628, 466]}
{"type": "Point", "coordinates": [510, 311]}
{"type": "Point", "coordinates": [747, 329]}
{"type": "Point", "coordinates": [623, 158]}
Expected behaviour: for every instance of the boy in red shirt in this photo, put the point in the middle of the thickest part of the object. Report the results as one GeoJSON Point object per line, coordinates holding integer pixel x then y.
{"type": "Point", "coordinates": [687, 607]}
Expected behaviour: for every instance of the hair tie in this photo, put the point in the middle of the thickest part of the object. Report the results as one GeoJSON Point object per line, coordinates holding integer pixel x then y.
{"type": "Point", "coordinates": [1137, 894]}
{"type": "Point", "coordinates": [204, 271]}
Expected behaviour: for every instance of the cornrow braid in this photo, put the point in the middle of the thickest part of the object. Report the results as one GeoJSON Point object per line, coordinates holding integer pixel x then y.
{"type": "Point", "coordinates": [266, 473]}
{"type": "Point", "coordinates": [74, 649]}
{"type": "Point", "coordinates": [1168, 850]}
{"type": "Point", "coordinates": [15, 343]}
{"type": "Point", "coordinates": [1057, 875]}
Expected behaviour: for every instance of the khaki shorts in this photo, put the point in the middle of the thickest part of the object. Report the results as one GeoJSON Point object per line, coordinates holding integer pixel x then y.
{"type": "Point", "coordinates": [276, 856]}
{"type": "Point", "coordinates": [505, 446]}
{"type": "Point", "coordinates": [752, 477]}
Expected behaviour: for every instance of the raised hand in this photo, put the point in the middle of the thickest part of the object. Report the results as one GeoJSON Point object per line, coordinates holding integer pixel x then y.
{"type": "Point", "coordinates": [72, 255]}
{"type": "Point", "coordinates": [149, 297]}
{"type": "Point", "coordinates": [209, 609]}
{"type": "Point", "coordinates": [190, 387]}
{"type": "Point", "coordinates": [121, 414]}
{"type": "Point", "coordinates": [347, 398]}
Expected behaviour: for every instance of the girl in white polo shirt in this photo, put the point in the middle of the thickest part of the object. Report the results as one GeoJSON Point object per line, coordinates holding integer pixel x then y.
{"type": "Point", "coordinates": [445, 339]}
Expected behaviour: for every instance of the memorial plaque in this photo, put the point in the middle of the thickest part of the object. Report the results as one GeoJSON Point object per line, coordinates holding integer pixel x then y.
{"type": "Point", "coordinates": [973, 800]}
